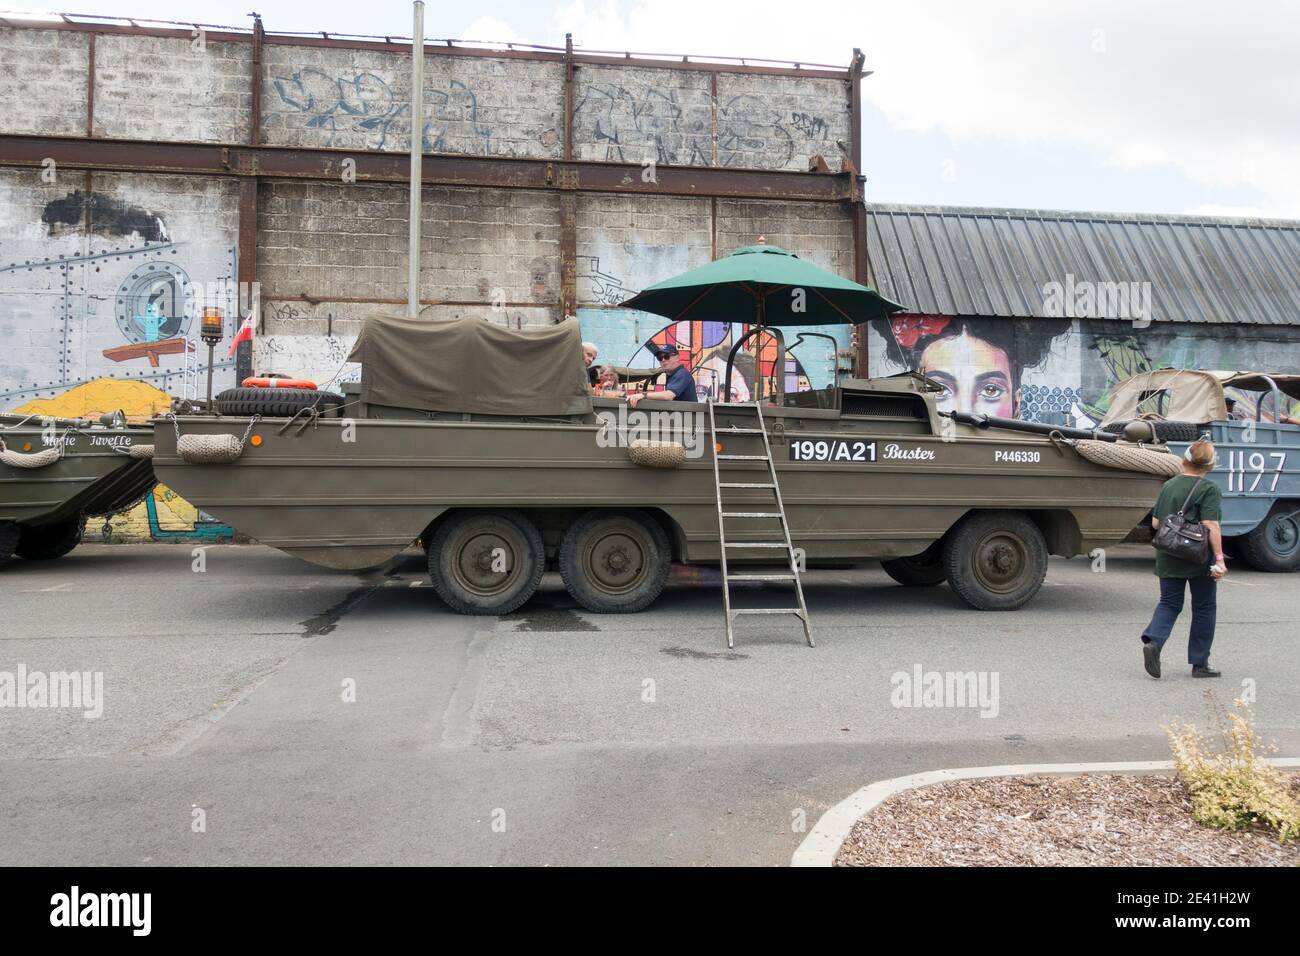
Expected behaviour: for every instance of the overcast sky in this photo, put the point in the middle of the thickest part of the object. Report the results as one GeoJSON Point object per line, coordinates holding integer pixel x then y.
{"type": "Point", "coordinates": [1141, 106]}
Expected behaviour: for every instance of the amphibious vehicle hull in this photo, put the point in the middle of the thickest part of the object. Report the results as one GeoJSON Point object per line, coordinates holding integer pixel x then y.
{"type": "Point", "coordinates": [883, 478]}
{"type": "Point", "coordinates": [43, 507]}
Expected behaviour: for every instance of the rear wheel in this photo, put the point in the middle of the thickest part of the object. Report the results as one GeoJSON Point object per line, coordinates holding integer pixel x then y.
{"type": "Point", "coordinates": [1274, 544]}
{"type": "Point", "coordinates": [9, 535]}
{"type": "Point", "coordinates": [486, 562]}
{"type": "Point", "coordinates": [615, 562]}
{"type": "Point", "coordinates": [45, 542]}
{"type": "Point", "coordinates": [995, 560]}
{"type": "Point", "coordinates": [920, 570]}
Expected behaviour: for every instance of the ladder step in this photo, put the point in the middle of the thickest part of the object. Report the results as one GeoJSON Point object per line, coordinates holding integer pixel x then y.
{"type": "Point", "coordinates": [736, 612]}
{"type": "Point", "coordinates": [745, 484]}
{"type": "Point", "coordinates": [751, 514]}
{"type": "Point", "coordinates": [755, 544]}
{"type": "Point", "coordinates": [740, 431]}
{"type": "Point", "coordinates": [762, 577]}
{"type": "Point", "coordinates": [742, 458]}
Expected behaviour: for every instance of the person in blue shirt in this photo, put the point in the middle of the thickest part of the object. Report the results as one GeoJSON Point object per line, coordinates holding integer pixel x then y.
{"type": "Point", "coordinates": [680, 386]}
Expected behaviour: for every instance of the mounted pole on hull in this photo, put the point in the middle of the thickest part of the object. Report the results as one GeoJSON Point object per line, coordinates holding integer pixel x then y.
{"type": "Point", "coordinates": [417, 161]}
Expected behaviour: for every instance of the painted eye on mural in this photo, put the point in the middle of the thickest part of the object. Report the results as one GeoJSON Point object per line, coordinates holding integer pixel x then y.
{"type": "Point", "coordinates": [993, 391]}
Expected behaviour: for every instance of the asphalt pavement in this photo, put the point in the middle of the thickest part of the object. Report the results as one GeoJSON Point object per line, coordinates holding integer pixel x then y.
{"type": "Point", "coordinates": [264, 711]}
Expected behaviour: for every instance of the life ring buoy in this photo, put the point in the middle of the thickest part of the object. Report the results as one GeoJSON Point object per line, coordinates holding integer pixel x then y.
{"type": "Point", "coordinates": [273, 382]}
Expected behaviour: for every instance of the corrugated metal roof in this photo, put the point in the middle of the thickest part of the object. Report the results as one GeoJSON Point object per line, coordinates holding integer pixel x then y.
{"type": "Point", "coordinates": [967, 261]}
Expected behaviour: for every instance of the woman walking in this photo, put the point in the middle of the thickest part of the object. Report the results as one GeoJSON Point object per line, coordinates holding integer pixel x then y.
{"type": "Point", "coordinates": [1197, 500]}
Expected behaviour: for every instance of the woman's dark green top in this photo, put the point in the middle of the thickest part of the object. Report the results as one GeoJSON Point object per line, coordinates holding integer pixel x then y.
{"type": "Point", "coordinates": [1206, 505]}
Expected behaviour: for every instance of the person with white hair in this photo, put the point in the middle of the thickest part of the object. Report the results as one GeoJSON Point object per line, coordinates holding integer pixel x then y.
{"type": "Point", "coordinates": [589, 353]}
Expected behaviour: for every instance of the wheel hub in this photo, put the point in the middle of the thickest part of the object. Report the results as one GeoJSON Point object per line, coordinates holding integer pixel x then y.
{"type": "Point", "coordinates": [616, 561]}
{"type": "Point", "coordinates": [486, 563]}
{"type": "Point", "coordinates": [1000, 562]}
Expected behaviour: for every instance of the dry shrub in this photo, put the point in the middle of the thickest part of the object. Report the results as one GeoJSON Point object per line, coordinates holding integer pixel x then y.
{"type": "Point", "coordinates": [1236, 787]}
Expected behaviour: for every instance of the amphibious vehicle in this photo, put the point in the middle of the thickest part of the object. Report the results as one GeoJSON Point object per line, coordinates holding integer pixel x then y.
{"type": "Point", "coordinates": [484, 444]}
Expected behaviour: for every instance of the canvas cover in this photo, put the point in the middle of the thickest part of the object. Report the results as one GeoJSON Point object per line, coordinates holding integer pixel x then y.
{"type": "Point", "coordinates": [471, 365]}
{"type": "Point", "coordinates": [1190, 395]}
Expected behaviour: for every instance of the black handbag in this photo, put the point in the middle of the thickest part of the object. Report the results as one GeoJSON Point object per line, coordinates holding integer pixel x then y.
{"type": "Point", "coordinates": [1183, 539]}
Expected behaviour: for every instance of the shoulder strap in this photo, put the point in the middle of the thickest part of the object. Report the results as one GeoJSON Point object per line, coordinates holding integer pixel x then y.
{"type": "Point", "coordinates": [1188, 499]}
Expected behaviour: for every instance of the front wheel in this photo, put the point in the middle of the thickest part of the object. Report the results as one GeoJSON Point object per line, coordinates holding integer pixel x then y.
{"type": "Point", "coordinates": [615, 562]}
{"type": "Point", "coordinates": [486, 562]}
{"type": "Point", "coordinates": [45, 542]}
{"type": "Point", "coordinates": [922, 570]}
{"type": "Point", "coordinates": [995, 560]}
{"type": "Point", "coordinates": [1274, 544]}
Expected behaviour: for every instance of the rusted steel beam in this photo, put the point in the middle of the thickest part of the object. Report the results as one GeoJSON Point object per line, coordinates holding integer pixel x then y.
{"type": "Point", "coordinates": [861, 271]}
{"type": "Point", "coordinates": [440, 169]}
{"type": "Point", "coordinates": [568, 199]}
{"type": "Point", "coordinates": [90, 85]}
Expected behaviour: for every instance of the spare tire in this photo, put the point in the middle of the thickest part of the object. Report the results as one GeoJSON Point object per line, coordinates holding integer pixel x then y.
{"type": "Point", "coordinates": [274, 402]}
{"type": "Point", "coordinates": [1165, 431]}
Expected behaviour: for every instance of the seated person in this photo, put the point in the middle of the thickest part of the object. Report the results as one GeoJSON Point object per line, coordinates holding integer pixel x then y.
{"type": "Point", "coordinates": [680, 386]}
{"type": "Point", "coordinates": [607, 379]}
{"type": "Point", "coordinates": [589, 353]}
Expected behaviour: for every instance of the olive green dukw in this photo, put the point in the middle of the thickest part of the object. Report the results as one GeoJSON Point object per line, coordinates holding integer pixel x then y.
{"type": "Point", "coordinates": [484, 444]}
{"type": "Point", "coordinates": [56, 472]}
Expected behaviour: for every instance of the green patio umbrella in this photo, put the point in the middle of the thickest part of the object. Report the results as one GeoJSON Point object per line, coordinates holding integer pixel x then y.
{"type": "Point", "coordinates": [763, 285]}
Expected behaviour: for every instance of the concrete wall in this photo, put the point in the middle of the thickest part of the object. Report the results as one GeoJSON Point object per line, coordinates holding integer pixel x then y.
{"type": "Point", "coordinates": [75, 288]}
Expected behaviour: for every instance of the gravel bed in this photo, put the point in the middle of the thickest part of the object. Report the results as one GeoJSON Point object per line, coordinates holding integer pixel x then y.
{"type": "Point", "coordinates": [1088, 820]}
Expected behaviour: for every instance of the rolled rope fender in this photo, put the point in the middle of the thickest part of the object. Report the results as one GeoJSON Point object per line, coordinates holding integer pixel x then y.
{"type": "Point", "coordinates": [209, 449]}
{"type": "Point", "coordinates": [656, 454]}
{"type": "Point", "coordinates": [36, 459]}
{"type": "Point", "coordinates": [1130, 458]}
{"type": "Point", "coordinates": [140, 451]}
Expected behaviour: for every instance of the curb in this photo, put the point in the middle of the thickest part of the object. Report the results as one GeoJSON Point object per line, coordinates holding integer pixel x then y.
{"type": "Point", "coordinates": [823, 842]}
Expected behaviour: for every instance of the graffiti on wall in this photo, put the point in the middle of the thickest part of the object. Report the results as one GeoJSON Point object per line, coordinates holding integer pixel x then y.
{"type": "Point", "coordinates": [98, 313]}
{"type": "Point", "coordinates": [635, 125]}
{"type": "Point", "coordinates": [1056, 371]}
{"type": "Point", "coordinates": [362, 109]}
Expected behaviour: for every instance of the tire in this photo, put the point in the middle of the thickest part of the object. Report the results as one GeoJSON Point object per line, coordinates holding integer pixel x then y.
{"type": "Point", "coordinates": [273, 402]}
{"type": "Point", "coordinates": [1274, 544]}
{"type": "Point", "coordinates": [9, 535]}
{"type": "Point", "coordinates": [995, 560]}
{"type": "Point", "coordinates": [615, 562]}
{"type": "Point", "coordinates": [45, 542]}
{"type": "Point", "coordinates": [462, 552]}
{"type": "Point", "coordinates": [1165, 431]}
{"type": "Point", "coordinates": [923, 570]}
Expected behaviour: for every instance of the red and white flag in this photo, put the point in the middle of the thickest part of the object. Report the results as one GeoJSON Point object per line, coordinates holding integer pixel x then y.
{"type": "Point", "coordinates": [245, 334]}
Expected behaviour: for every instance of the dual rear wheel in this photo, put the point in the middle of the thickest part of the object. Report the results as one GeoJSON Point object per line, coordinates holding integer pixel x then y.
{"type": "Point", "coordinates": [492, 562]}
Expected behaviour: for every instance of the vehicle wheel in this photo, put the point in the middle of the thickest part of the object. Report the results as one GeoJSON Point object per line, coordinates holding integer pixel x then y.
{"type": "Point", "coordinates": [273, 402]}
{"type": "Point", "coordinates": [45, 542]}
{"type": "Point", "coordinates": [1274, 544]}
{"type": "Point", "coordinates": [922, 570]}
{"type": "Point", "coordinates": [9, 534]}
{"type": "Point", "coordinates": [995, 560]}
{"type": "Point", "coordinates": [1165, 431]}
{"type": "Point", "coordinates": [486, 562]}
{"type": "Point", "coordinates": [615, 562]}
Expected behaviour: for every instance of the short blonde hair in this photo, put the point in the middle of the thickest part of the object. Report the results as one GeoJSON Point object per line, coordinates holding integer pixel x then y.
{"type": "Point", "coordinates": [1200, 455]}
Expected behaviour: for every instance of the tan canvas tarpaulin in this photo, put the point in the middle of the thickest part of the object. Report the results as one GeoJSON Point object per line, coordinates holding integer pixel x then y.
{"type": "Point", "coordinates": [470, 365]}
{"type": "Point", "coordinates": [1191, 395]}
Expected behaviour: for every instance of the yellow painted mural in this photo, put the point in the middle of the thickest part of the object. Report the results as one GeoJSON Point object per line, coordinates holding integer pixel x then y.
{"type": "Point", "coordinates": [163, 515]}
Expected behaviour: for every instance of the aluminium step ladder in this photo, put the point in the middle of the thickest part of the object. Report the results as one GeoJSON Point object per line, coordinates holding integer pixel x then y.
{"type": "Point", "coordinates": [774, 488]}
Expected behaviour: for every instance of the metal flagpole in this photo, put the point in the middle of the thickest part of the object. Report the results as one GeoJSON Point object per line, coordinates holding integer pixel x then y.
{"type": "Point", "coordinates": [417, 157]}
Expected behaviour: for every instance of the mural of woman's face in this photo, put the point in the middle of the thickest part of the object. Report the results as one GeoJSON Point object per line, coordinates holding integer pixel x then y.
{"type": "Point", "coordinates": [975, 374]}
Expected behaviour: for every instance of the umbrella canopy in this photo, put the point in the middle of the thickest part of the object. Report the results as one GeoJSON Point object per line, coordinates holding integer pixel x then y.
{"type": "Point", "coordinates": [763, 285]}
